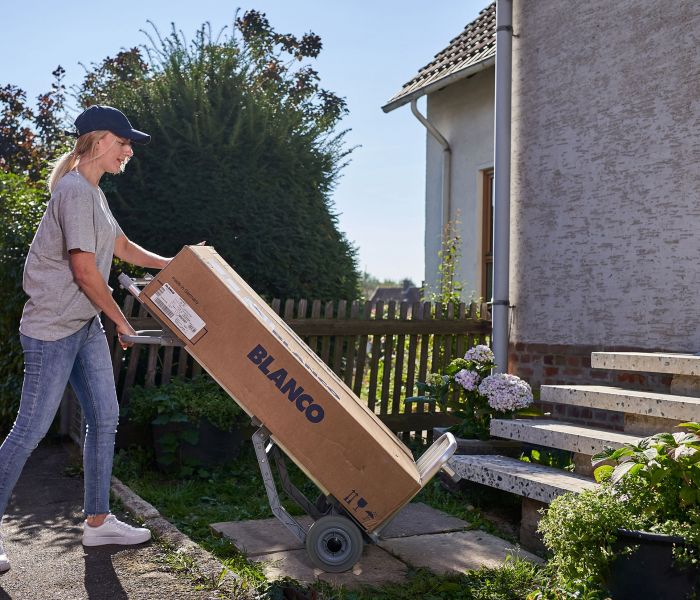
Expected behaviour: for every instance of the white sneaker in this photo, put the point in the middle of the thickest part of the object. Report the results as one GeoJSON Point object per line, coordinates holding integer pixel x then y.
{"type": "Point", "coordinates": [113, 531]}
{"type": "Point", "coordinates": [4, 561]}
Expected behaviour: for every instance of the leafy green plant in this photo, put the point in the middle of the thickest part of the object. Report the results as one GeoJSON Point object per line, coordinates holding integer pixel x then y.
{"type": "Point", "coordinates": [449, 288]}
{"type": "Point", "coordinates": [581, 530]}
{"type": "Point", "coordinates": [652, 485]}
{"type": "Point", "coordinates": [660, 477]}
{"type": "Point", "coordinates": [185, 401]}
{"type": "Point", "coordinates": [176, 412]}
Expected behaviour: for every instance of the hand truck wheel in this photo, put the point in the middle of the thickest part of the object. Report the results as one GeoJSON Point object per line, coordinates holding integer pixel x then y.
{"type": "Point", "coordinates": [334, 543]}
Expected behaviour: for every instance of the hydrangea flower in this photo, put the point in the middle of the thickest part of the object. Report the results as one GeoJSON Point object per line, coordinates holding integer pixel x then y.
{"type": "Point", "coordinates": [469, 380]}
{"type": "Point", "coordinates": [506, 392]}
{"type": "Point", "coordinates": [480, 354]}
{"type": "Point", "coordinates": [436, 380]}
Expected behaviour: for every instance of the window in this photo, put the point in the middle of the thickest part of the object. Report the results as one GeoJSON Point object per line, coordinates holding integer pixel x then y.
{"type": "Point", "coordinates": [487, 235]}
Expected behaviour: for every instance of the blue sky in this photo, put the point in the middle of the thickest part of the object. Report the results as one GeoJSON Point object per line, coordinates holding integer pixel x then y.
{"type": "Point", "coordinates": [370, 49]}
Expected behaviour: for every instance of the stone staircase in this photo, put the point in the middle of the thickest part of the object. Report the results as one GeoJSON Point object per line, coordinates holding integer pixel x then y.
{"type": "Point", "coordinates": [644, 413]}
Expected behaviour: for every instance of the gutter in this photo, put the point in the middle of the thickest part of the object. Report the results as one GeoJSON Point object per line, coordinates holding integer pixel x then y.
{"type": "Point", "coordinates": [500, 304]}
{"type": "Point", "coordinates": [446, 164]}
{"type": "Point", "coordinates": [440, 83]}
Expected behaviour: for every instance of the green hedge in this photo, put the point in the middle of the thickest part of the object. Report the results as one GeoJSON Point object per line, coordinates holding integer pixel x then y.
{"type": "Point", "coordinates": [22, 204]}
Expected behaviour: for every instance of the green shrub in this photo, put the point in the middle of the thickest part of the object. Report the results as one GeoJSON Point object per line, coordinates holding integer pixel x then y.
{"type": "Point", "coordinates": [581, 529]}
{"type": "Point", "coordinates": [244, 155]}
{"type": "Point", "coordinates": [22, 204]}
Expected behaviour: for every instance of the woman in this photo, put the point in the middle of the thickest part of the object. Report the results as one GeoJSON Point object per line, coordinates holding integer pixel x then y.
{"type": "Point", "coordinates": [65, 277]}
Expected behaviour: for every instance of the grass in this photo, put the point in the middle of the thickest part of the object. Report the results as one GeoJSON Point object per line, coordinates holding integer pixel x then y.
{"type": "Point", "coordinates": [235, 493]}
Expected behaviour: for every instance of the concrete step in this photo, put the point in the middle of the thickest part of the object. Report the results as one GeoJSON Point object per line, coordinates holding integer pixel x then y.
{"type": "Point", "coordinates": [650, 362]}
{"type": "Point", "coordinates": [529, 480]}
{"type": "Point", "coordinates": [647, 404]}
{"type": "Point", "coordinates": [561, 435]}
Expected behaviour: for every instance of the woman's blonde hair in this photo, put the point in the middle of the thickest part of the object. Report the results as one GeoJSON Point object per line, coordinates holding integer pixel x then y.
{"type": "Point", "coordinates": [84, 146]}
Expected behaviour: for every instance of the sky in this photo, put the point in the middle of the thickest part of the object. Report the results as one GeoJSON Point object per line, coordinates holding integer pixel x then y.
{"type": "Point", "coordinates": [370, 49]}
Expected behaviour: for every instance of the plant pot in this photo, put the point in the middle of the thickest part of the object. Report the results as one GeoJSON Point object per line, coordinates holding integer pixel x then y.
{"type": "Point", "coordinates": [176, 444]}
{"type": "Point", "coordinates": [132, 434]}
{"type": "Point", "coordinates": [650, 571]}
{"type": "Point", "coordinates": [214, 446]}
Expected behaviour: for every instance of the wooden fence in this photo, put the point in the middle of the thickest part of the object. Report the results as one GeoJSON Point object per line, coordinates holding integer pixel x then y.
{"type": "Point", "coordinates": [379, 350]}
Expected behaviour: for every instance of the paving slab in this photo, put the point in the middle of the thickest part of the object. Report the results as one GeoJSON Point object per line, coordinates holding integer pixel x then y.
{"type": "Point", "coordinates": [263, 536]}
{"type": "Point", "coordinates": [417, 518]}
{"type": "Point", "coordinates": [376, 567]}
{"type": "Point", "coordinates": [269, 535]}
{"type": "Point", "coordinates": [456, 552]}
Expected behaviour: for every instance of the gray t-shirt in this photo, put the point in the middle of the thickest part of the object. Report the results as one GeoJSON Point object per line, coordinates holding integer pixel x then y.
{"type": "Point", "coordinates": [77, 217]}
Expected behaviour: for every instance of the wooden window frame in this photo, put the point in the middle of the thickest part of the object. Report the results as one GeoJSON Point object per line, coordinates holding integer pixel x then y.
{"type": "Point", "coordinates": [486, 233]}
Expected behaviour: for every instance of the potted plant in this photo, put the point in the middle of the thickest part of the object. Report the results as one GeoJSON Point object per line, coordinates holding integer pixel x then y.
{"type": "Point", "coordinates": [638, 534]}
{"type": "Point", "coordinates": [194, 423]}
{"type": "Point", "coordinates": [469, 392]}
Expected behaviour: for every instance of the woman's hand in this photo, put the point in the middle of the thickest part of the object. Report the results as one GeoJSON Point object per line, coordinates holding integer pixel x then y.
{"type": "Point", "coordinates": [125, 329]}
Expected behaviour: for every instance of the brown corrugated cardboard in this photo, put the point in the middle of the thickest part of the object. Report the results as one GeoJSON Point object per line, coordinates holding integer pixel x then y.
{"type": "Point", "coordinates": [312, 415]}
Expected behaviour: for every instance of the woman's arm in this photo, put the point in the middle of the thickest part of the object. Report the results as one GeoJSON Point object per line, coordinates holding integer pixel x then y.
{"type": "Point", "coordinates": [88, 277]}
{"type": "Point", "coordinates": [127, 251]}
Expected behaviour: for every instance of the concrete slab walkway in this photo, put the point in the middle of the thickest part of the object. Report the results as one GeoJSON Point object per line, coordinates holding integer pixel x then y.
{"type": "Point", "coordinates": [419, 536]}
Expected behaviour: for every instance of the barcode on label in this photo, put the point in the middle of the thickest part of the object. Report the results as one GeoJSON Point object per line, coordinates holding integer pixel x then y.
{"type": "Point", "coordinates": [178, 311]}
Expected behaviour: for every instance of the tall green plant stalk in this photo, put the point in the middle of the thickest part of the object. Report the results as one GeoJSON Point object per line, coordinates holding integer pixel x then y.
{"type": "Point", "coordinates": [449, 288]}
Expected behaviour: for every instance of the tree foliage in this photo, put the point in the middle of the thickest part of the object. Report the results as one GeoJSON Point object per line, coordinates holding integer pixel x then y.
{"type": "Point", "coordinates": [29, 137]}
{"type": "Point", "coordinates": [245, 154]}
{"type": "Point", "coordinates": [21, 205]}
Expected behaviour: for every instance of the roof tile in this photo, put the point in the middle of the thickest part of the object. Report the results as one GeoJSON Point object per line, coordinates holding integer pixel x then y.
{"type": "Point", "coordinates": [475, 44]}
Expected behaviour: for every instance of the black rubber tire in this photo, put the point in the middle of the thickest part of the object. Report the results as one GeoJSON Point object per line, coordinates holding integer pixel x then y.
{"type": "Point", "coordinates": [334, 544]}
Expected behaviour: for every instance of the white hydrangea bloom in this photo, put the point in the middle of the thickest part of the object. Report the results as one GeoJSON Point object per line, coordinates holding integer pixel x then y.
{"type": "Point", "coordinates": [480, 354]}
{"type": "Point", "coordinates": [469, 380]}
{"type": "Point", "coordinates": [506, 392]}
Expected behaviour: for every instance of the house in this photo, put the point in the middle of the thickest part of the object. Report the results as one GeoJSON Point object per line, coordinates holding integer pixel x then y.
{"type": "Point", "coordinates": [406, 293]}
{"type": "Point", "coordinates": [459, 86]}
{"type": "Point", "coordinates": [605, 178]}
{"type": "Point", "coordinates": [605, 183]}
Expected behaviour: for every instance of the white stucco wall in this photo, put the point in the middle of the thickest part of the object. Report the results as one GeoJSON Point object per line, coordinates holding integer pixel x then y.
{"type": "Point", "coordinates": [463, 113]}
{"type": "Point", "coordinates": [605, 194]}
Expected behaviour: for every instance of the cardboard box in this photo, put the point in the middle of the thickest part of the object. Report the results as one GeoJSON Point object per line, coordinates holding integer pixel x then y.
{"type": "Point", "coordinates": [312, 415]}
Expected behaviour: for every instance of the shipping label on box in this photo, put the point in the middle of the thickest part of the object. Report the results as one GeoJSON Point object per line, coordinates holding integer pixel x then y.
{"type": "Point", "coordinates": [256, 357]}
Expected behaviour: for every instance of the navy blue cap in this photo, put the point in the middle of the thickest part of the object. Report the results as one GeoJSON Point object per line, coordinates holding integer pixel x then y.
{"type": "Point", "coordinates": [106, 118]}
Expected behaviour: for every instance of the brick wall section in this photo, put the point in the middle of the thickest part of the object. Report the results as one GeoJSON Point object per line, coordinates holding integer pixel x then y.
{"type": "Point", "coordinates": [552, 364]}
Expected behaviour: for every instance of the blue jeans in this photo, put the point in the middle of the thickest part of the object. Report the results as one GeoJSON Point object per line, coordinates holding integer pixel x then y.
{"type": "Point", "coordinates": [82, 358]}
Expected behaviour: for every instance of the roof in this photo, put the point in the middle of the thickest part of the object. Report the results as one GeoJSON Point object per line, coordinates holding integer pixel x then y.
{"type": "Point", "coordinates": [472, 50]}
{"type": "Point", "coordinates": [408, 294]}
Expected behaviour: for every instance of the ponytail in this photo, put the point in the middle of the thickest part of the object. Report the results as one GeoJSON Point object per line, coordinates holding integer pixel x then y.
{"type": "Point", "coordinates": [84, 145]}
{"type": "Point", "coordinates": [65, 163]}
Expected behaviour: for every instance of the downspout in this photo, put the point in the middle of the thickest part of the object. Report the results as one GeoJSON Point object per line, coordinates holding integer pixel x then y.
{"type": "Point", "coordinates": [446, 164]}
{"type": "Point", "coordinates": [501, 251]}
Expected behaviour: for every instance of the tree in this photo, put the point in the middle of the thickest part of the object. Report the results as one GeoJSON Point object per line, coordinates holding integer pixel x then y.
{"type": "Point", "coordinates": [28, 137]}
{"type": "Point", "coordinates": [244, 154]}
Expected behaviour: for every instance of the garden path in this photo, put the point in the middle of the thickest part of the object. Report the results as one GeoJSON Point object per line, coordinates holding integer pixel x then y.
{"type": "Point", "coordinates": [42, 533]}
